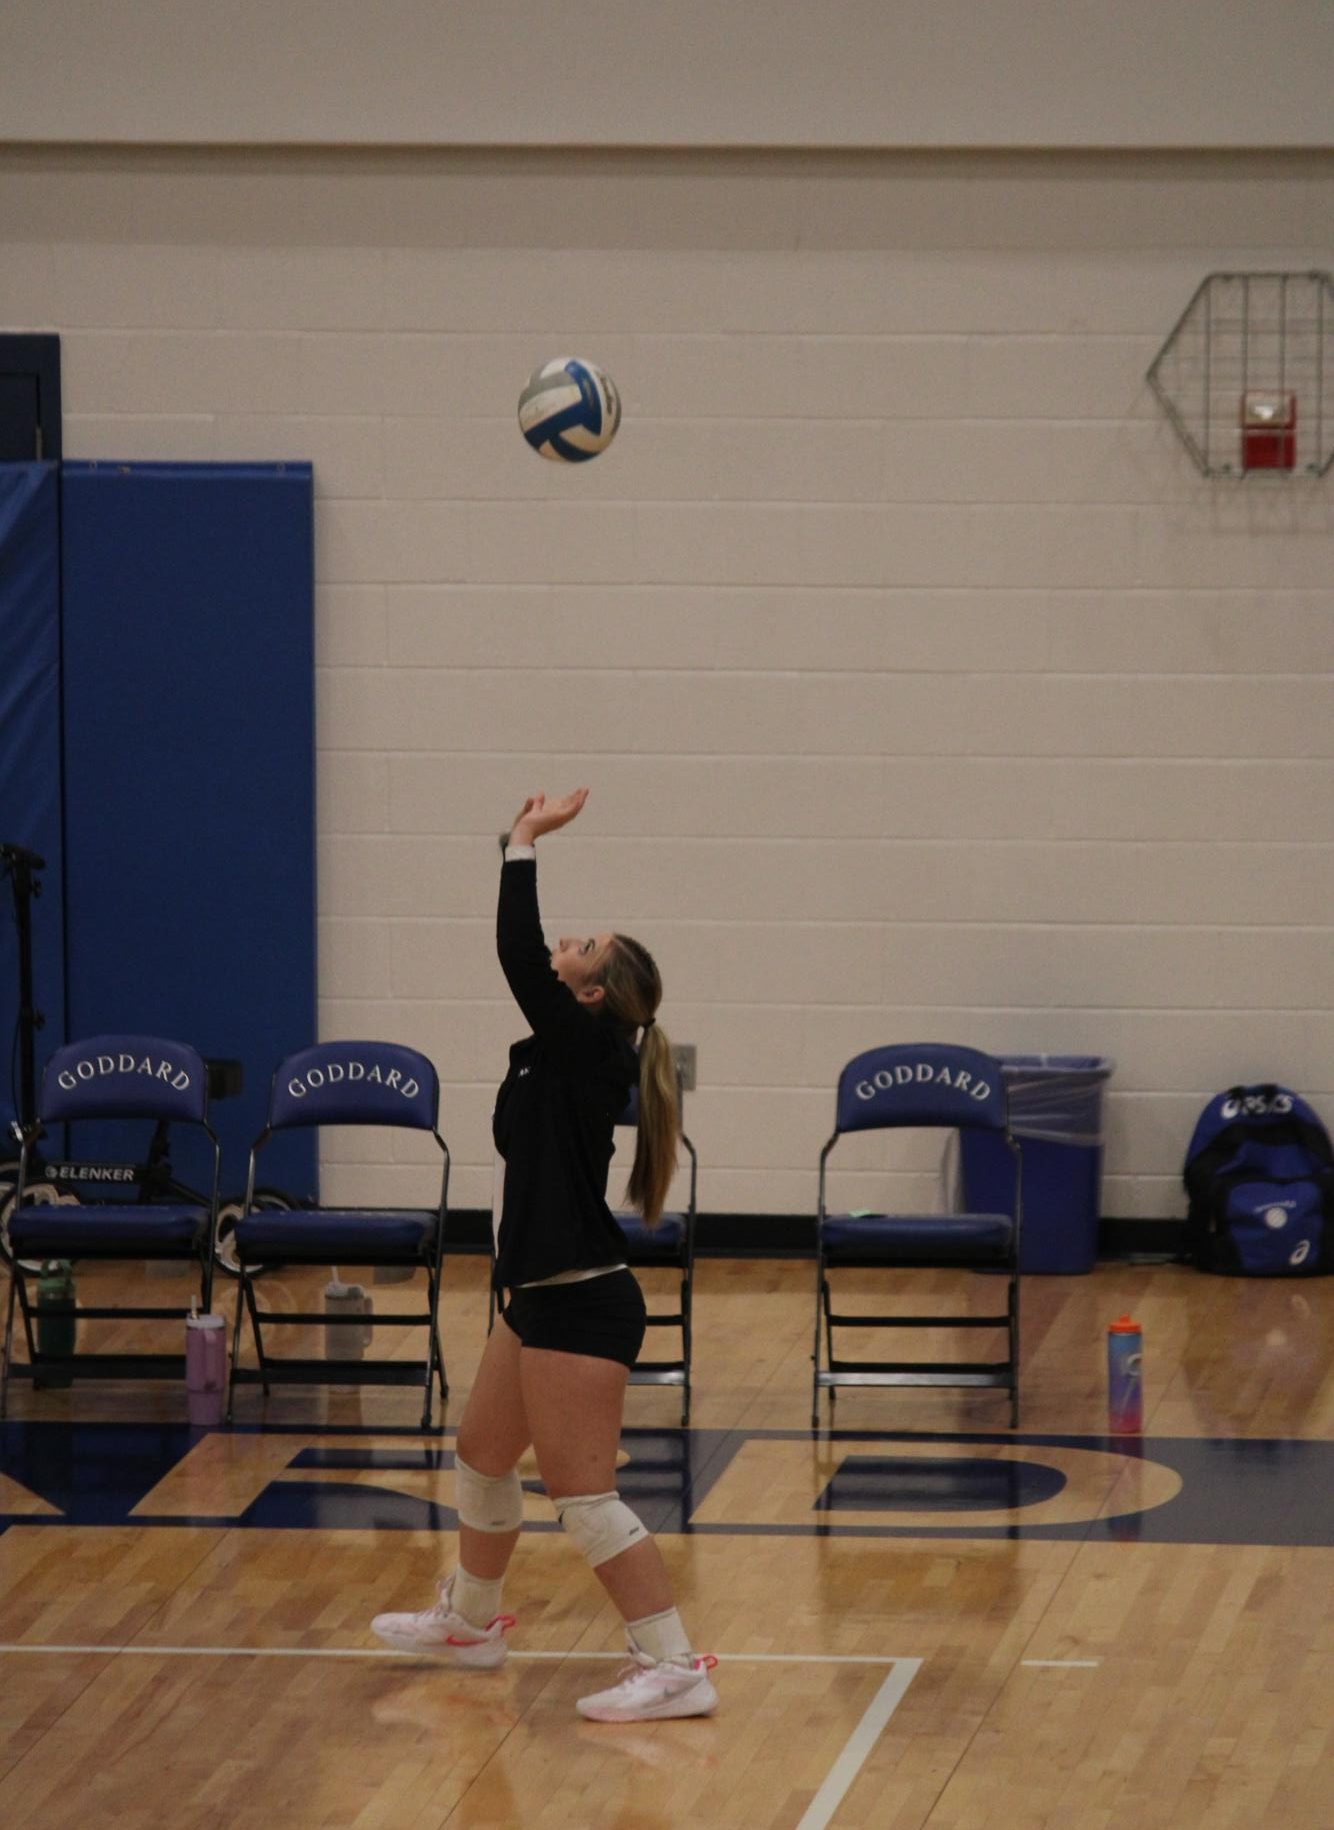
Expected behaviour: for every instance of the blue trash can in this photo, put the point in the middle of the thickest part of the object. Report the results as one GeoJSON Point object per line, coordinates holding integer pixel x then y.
{"type": "Point", "coordinates": [1055, 1104]}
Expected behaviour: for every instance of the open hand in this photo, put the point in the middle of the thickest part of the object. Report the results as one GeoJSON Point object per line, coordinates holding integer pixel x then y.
{"type": "Point", "coordinates": [542, 813]}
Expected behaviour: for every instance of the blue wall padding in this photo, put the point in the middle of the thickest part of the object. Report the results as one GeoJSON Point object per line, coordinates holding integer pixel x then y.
{"type": "Point", "coordinates": [189, 772]}
{"type": "Point", "coordinates": [30, 752]}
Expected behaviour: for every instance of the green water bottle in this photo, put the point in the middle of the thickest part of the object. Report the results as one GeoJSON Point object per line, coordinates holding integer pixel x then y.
{"type": "Point", "coordinates": [55, 1333]}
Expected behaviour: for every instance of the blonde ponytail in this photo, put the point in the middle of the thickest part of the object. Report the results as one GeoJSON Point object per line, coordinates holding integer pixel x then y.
{"type": "Point", "coordinates": [659, 1127]}
{"type": "Point", "coordinates": [633, 989]}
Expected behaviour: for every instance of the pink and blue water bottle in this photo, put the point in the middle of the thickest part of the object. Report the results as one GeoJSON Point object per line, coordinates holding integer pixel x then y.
{"type": "Point", "coordinates": [1125, 1377]}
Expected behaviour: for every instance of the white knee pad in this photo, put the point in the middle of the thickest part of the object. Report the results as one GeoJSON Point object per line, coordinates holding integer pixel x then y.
{"type": "Point", "coordinates": [601, 1524]}
{"type": "Point", "coordinates": [486, 1502]}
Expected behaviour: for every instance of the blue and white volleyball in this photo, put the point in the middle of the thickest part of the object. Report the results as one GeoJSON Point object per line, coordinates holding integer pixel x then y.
{"type": "Point", "coordinates": [569, 410]}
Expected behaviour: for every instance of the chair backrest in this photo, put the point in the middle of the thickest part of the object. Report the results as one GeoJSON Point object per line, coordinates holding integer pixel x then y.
{"type": "Point", "coordinates": [355, 1083]}
{"type": "Point", "coordinates": [630, 1111]}
{"type": "Point", "coordinates": [921, 1083]}
{"type": "Point", "coordinates": [124, 1076]}
{"type": "Point", "coordinates": [629, 1117]}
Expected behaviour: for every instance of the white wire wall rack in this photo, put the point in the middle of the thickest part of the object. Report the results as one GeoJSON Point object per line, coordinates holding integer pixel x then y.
{"type": "Point", "coordinates": [1247, 375]}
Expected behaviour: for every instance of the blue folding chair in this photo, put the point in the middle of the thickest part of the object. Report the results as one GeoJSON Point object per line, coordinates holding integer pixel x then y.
{"type": "Point", "coordinates": [118, 1077]}
{"type": "Point", "coordinates": [345, 1083]}
{"type": "Point", "coordinates": [918, 1085]}
{"type": "Point", "coordinates": [671, 1244]}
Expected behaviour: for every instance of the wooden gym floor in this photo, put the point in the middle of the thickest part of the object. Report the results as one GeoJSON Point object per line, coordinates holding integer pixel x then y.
{"type": "Point", "coordinates": [922, 1619]}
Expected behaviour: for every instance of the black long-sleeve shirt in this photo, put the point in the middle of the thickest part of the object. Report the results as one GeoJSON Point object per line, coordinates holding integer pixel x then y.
{"type": "Point", "coordinates": [567, 1085]}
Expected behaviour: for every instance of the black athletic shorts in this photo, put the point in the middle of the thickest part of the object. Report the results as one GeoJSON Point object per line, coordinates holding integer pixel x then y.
{"type": "Point", "coordinates": [601, 1316]}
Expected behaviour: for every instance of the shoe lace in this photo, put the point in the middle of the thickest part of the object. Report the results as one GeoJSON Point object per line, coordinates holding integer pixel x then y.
{"type": "Point", "coordinates": [444, 1610]}
{"type": "Point", "coordinates": [641, 1662]}
{"type": "Point", "coordinates": [442, 1607]}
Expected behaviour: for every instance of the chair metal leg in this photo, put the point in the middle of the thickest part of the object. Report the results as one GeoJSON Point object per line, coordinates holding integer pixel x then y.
{"type": "Point", "coordinates": [435, 1359]}
{"type": "Point", "coordinates": [250, 1303]}
{"type": "Point", "coordinates": [687, 1339]}
{"type": "Point", "coordinates": [236, 1349]}
{"type": "Point", "coordinates": [828, 1303]}
{"type": "Point", "coordinates": [14, 1275]}
{"type": "Point", "coordinates": [432, 1349]}
{"type": "Point", "coordinates": [25, 1311]}
{"type": "Point", "coordinates": [815, 1354]}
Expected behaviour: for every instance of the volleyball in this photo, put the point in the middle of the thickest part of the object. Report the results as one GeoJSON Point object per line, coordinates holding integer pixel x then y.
{"type": "Point", "coordinates": [569, 411]}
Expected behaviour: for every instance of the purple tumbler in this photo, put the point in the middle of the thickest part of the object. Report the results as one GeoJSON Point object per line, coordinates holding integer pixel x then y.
{"type": "Point", "coordinates": [1125, 1377]}
{"type": "Point", "coordinates": [205, 1368]}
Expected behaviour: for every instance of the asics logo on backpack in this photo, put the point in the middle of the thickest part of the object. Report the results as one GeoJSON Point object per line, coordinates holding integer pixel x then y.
{"type": "Point", "coordinates": [1254, 1105]}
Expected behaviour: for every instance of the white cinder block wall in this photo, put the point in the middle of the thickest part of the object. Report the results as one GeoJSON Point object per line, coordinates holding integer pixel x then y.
{"type": "Point", "coordinates": [923, 687]}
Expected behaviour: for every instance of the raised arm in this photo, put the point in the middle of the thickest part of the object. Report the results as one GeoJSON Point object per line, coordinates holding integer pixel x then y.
{"type": "Point", "coordinates": [550, 1007]}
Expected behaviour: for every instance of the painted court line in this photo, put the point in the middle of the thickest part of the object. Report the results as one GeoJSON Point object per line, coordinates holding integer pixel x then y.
{"type": "Point", "coordinates": [1063, 1664]}
{"type": "Point", "coordinates": [818, 1813]}
{"type": "Point", "coordinates": [740, 1658]}
{"type": "Point", "coordinates": [859, 1744]}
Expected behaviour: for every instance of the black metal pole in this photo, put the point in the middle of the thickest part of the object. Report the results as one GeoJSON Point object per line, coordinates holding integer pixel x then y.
{"type": "Point", "coordinates": [23, 865]}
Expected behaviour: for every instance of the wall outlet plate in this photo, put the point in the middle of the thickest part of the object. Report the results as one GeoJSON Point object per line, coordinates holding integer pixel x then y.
{"type": "Point", "coordinates": [683, 1054]}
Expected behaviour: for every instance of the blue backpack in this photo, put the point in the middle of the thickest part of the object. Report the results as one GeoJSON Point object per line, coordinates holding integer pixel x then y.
{"type": "Point", "coordinates": [1260, 1176]}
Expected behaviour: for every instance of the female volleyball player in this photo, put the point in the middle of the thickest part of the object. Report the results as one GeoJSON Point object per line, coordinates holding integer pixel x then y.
{"type": "Point", "coordinates": [558, 1361]}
